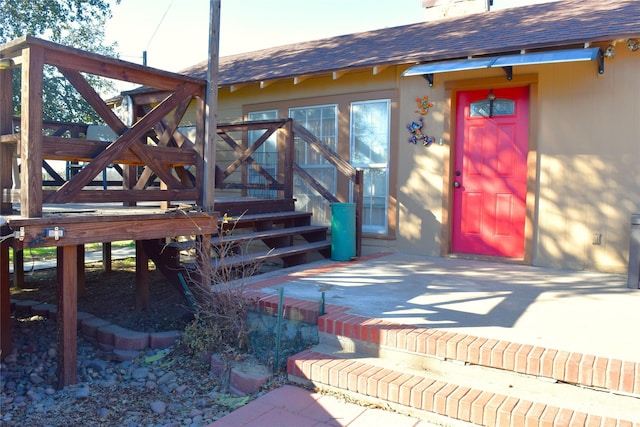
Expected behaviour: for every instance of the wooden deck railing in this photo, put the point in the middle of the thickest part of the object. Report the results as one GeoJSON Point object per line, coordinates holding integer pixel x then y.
{"type": "Point", "coordinates": [152, 142]}
{"type": "Point", "coordinates": [290, 132]}
{"type": "Point", "coordinates": [156, 160]}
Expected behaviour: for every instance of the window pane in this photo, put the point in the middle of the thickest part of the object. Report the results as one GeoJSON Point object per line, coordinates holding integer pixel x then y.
{"type": "Point", "coordinates": [370, 122]}
{"type": "Point", "coordinates": [486, 108]}
{"type": "Point", "coordinates": [322, 121]}
{"type": "Point", "coordinates": [370, 132]}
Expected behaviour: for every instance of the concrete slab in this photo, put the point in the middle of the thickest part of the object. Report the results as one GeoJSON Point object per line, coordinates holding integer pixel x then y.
{"type": "Point", "coordinates": [579, 311]}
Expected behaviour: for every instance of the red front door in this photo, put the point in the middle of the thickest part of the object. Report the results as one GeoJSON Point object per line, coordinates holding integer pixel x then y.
{"type": "Point", "coordinates": [490, 175]}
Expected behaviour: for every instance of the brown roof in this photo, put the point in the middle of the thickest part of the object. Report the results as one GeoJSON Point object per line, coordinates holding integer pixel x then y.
{"type": "Point", "coordinates": [561, 23]}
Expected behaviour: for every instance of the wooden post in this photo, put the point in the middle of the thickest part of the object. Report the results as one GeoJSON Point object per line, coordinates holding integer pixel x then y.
{"type": "Point", "coordinates": [6, 150]}
{"type": "Point", "coordinates": [67, 318]}
{"type": "Point", "coordinates": [142, 277]}
{"type": "Point", "coordinates": [212, 107]}
{"type": "Point", "coordinates": [359, 199]}
{"type": "Point", "coordinates": [18, 268]}
{"type": "Point", "coordinates": [82, 289]}
{"type": "Point", "coordinates": [31, 133]}
{"type": "Point", "coordinates": [203, 259]}
{"type": "Point", "coordinates": [6, 345]}
{"type": "Point", "coordinates": [106, 257]}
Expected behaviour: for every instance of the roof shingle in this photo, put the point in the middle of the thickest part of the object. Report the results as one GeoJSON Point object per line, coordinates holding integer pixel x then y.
{"type": "Point", "coordinates": [546, 25]}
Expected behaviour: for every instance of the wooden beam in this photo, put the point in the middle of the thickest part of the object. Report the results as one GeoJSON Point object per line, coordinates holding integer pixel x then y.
{"type": "Point", "coordinates": [131, 196]}
{"type": "Point", "coordinates": [65, 193]}
{"type": "Point", "coordinates": [6, 129]}
{"type": "Point", "coordinates": [6, 340]}
{"type": "Point", "coordinates": [18, 268]}
{"type": "Point", "coordinates": [67, 318]}
{"type": "Point", "coordinates": [105, 66]}
{"type": "Point", "coordinates": [324, 192]}
{"type": "Point", "coordinates": [106, 257]}
{"type": "Point", "coordinates": [234, 88]}
{"type": "Point", "coordinates": [300, 79]}
{"type": "Point", "coordinates": [211, 110]}
{"type": "Point", "coordinates": [84, 150]}
{"type": "Point", "coordinates": [95, 100]}
{"type": "Point", "coordinates": [142, 277]}
{"type": "Point", "coordinates": [204, 157]}
{"type": "Point", "coordinates": [342, 165]}
{"type": "Point", "coordinates": [379, 69]}
{"type": "Point", "coordinates": [165, 130]}
{"type": "Point", "coordinates": [102, 228]}
{"type": "Point", "coordinates": [80, 269]}
{"type": "Point", "coordinates": [337, 74]}
{"type": "Point", "coordinates": [31, 133]}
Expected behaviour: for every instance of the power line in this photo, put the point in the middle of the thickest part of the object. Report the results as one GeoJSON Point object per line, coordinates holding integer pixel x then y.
{"type": "Point", "coordinates": [159, 24]}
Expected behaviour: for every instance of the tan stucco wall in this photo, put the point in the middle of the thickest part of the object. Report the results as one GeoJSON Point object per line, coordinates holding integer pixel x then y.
{"type": "Point", "coordinates": [584, 134]}
{"type": "Point", "coordinates": [589, 142]}
{"type": "Point", "coordinates": [586, 128]}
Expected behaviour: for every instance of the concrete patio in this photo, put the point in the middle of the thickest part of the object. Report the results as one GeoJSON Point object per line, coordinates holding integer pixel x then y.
{"type": "Point", "coordinates": [578, 311]}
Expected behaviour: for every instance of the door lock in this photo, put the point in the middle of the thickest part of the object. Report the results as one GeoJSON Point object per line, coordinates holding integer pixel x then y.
{"type": "Point", "coordinates": [456, 184]}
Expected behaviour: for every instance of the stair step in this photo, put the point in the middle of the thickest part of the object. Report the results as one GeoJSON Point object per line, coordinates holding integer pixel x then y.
{"type": "Point", "coordinates": [236, 206]}
{"type": "Point", "coordinates": [254, 236]}
{"type": "Point", "coordinates": [257, 257]}
{"type": "Point", "coordinates": [248, 220]}
{"type": "Point", "coordinates": [411, 344]}
{"type": "Point", "coordinates": [384, 381]}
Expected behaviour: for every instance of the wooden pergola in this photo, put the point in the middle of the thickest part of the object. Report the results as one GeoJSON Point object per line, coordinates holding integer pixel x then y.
{"type": "Point", "coordinates": [161, 166]}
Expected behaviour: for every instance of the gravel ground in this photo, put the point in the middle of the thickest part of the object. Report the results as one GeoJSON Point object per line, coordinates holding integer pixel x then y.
{"type": "Point", "coordinates": [163, 388]}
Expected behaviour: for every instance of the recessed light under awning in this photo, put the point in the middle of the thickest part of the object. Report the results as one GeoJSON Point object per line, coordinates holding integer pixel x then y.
{"type": "Point", "coordinates": [508, 61]}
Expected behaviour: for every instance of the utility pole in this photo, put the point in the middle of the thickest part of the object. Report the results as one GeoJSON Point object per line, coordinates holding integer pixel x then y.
{"type": "Point", "coordinates": [212, 107]}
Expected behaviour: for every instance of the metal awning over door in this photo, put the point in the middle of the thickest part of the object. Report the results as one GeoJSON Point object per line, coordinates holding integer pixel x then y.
{"type": "Point", "coordinates": [506, 62]}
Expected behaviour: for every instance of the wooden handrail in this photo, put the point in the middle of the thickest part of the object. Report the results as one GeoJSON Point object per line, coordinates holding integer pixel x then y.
{"type": "Point", "coordinates": [284, 182]}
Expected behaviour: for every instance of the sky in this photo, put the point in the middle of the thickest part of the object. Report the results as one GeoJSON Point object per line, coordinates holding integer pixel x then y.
{"type": "Point", "coordinates": [174, 33]}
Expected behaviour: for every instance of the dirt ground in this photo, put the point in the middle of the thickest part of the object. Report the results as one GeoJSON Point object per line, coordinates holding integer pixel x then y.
{"type": "Point", "coordinates": [111, 296]}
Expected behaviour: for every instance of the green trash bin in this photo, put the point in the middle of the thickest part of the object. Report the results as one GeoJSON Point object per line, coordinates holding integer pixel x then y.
{"type": "Point", "coordinates": [343, 231]}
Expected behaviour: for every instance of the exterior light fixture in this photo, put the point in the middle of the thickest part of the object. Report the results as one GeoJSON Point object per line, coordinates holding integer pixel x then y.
{"type": "Point", "coordinates": [491, 97]}
{"type": "Point", "coordinates": [633, 44]}
{"type": "Point", "coordinates": [6, 63]}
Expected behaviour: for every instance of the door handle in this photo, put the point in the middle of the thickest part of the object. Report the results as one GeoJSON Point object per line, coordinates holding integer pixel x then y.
{"type": "Point", "coordinates": [456, 184]}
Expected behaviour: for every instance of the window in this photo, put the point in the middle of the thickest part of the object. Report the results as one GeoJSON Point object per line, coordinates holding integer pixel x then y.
{"type": "Point", "coordinates": [322, 121]}
{"type": "Point", "coordinates": [370, 128]}
{"type": "Point", "coordinates": [266, 155]}
{"type": "Point", "coordinates": [492, 108]}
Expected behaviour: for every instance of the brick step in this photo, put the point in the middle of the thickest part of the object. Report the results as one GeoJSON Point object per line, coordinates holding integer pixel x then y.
{"type": "Point", "coordinates": [408, 390]}
{"type": "Point", "coordinates": [418, 347]}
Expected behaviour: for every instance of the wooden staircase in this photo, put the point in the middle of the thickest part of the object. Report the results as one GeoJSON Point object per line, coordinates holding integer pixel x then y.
{"type": "Point", "coordinates": [252, 231]}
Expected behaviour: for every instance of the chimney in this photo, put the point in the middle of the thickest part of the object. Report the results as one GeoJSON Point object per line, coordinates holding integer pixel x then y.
{"type": "Point", "coordinates": [439, 9]}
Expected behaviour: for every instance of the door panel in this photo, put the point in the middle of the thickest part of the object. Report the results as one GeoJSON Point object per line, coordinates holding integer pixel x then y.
{"type": "Point", "coordinates": [490, 182]}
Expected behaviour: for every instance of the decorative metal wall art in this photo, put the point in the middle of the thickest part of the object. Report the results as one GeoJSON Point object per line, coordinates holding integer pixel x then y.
{"type": "Point", "coordinates": [415, 127]}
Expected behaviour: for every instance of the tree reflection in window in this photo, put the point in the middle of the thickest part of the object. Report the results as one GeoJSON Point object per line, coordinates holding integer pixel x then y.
{"type": "Point", "coordinates": [492, 108]}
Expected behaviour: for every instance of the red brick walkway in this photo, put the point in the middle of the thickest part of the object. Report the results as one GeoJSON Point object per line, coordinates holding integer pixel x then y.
{"type": "Point", "coordinates": [294, 406]}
